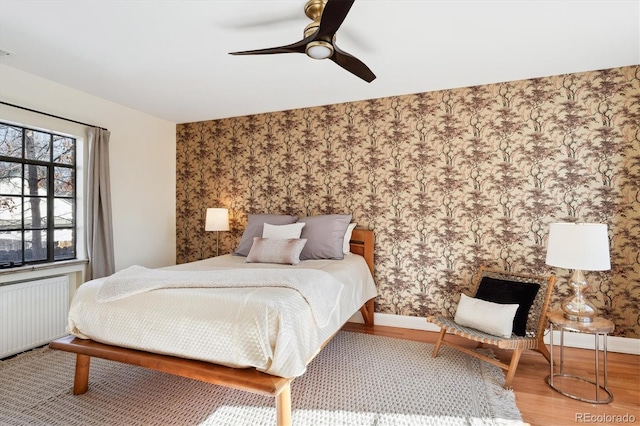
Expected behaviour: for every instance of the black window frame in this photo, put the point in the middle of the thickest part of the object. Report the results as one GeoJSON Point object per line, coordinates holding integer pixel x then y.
{"type": "Point", "coordinates": [52, 254]}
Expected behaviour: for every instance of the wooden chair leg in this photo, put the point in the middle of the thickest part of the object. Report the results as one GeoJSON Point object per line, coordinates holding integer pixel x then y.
{"type": "Point", "coordinates": [515, 358]}
{"type": "Point", "coordinates": [443, 331]}
{"type": "Point", "coordinates": [542, 348]}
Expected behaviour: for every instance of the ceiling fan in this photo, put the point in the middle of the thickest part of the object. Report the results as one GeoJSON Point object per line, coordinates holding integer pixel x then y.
{"type": "Point", "coordinates": [319, 40]}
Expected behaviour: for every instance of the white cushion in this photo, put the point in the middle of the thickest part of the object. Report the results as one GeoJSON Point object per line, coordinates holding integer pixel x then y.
{"type": "Point", "coordinates": [255, 226]}
{"type": "Point", "coordinates": [346, 248]}
{"type": "Point", "coordinates": [492, 318]}
{"type": "Point", "coordinates": [282, 232]}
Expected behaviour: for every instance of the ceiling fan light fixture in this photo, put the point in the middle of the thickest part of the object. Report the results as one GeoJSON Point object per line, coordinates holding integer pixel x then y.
{"type": "Point", "coordinates": [319, 49]}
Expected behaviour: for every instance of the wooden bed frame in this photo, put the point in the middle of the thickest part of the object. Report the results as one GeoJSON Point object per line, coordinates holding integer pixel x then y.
{"type": "Point", "coordinates": [247, 379]}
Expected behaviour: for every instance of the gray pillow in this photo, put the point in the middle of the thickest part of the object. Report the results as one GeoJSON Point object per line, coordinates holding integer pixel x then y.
{"type": "Point", "coordinates": [324, 235]}
{"type": "Point", "coordinates": [255, 223]}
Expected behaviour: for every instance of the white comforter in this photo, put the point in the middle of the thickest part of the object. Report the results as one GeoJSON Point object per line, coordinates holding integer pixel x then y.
{"type": "Point", "coordinates": [273, 329]}
{"type": "Point", "coordinates": [319, 289]}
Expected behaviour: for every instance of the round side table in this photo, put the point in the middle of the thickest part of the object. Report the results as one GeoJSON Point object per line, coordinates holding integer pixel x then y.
{"type": "Point", "coordinates": [598, 327]}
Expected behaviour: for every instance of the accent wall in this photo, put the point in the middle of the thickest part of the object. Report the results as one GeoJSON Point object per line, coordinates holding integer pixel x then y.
{"type": "Point", "coordinates": [448, 180]}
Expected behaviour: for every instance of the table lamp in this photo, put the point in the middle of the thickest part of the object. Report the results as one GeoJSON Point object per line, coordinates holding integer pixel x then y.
{"type": "Point", "coordinates": [217, 220]}
{"type": "Point", "coordinates": [581, 247]}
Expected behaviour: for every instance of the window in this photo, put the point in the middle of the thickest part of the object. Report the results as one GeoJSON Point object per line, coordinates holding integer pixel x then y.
{"type": "Point", "coordinates": [37, 196]}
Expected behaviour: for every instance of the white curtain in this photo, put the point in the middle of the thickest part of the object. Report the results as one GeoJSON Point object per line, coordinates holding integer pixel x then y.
{"type": "Point", "coordinates": [99, 221]}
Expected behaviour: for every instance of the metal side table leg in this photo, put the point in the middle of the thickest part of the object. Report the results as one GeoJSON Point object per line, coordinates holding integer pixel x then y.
{"type": "Point", "coordinates": [598, 327]}
{"type": "Point", "coordinates": [550, 378]}
{"type": "Point", "coordinates": [597, 367]}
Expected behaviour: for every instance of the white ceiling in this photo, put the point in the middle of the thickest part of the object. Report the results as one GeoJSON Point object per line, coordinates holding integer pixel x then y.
{"type": "Point", "coordinates": [169, 58]}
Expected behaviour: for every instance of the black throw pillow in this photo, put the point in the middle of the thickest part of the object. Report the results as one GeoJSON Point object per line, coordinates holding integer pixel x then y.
{"type": "Point", "coordinates": [509, 292]}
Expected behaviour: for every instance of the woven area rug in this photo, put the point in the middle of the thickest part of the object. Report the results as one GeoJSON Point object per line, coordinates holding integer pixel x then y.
{"type": "Point", "coordinates": [357, 379]}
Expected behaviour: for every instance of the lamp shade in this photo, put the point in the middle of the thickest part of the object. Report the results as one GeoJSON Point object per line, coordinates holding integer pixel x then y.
{"type": "Point", "coordinates": [217, 220]}
{"type": "Point", "coordinates": [583, 246]}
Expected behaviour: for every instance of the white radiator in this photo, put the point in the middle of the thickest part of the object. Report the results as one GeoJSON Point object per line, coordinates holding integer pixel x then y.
{"type": "Point", "coordinates": [32, 313]}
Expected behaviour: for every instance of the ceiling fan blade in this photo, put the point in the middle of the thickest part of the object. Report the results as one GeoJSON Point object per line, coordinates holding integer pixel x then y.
{"type": "Point", "coordinates": [352, 64]}
{"type": "Point", "coordinates": [297, 47]}
{"type": "Point", "coordinates": [332, 17]}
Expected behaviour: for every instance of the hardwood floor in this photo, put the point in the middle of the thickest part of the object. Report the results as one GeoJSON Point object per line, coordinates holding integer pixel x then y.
{"type": "Point", "coordinates": [541, 405]}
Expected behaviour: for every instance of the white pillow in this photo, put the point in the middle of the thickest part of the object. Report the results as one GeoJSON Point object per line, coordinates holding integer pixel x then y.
{"type": "Point", "coordinates": [492, 318]}
{"type": "Point", "coordinates": [282, 232]}
{"type": "Point", "coordinates": [346, 249]}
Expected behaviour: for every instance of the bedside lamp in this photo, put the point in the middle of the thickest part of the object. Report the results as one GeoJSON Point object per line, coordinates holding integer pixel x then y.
{"type": "Point", "coordinates": [217, 220]}
{"type": "Point", "coordinates": [578, 246]}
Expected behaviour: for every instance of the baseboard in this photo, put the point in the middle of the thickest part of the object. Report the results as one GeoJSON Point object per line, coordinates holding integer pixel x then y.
{"type": "Point", "coordinates": [571, 340]}
{"type": "Point", "coordinates": [623, 345]}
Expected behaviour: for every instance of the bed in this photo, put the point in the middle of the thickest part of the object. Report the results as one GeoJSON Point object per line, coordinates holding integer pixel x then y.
{"type": "Point", "coordinates": [270, 374]}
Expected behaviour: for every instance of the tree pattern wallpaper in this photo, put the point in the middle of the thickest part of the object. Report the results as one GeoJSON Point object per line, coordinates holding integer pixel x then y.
{"type": "Point", "coordinates": [448, 180]}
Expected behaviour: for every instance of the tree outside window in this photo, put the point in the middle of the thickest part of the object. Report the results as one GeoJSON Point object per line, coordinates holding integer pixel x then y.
{"type": "Point", "coordinates": [37, 196]}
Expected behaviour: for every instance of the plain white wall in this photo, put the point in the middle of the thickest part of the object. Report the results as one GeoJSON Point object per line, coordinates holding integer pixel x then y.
{"type": "Point", "coordinates": [142, 160]}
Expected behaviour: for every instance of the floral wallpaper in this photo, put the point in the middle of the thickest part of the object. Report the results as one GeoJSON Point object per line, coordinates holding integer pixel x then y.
{"type": "Point", "coordinates": [448, 180]}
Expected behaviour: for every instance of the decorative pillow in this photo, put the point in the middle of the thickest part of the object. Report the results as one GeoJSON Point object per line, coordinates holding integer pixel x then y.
{"type": "Point", "coordinates": [255, 224]}
{"type": "Point", "coordinates": [282, 232]}
{"type": "Point", "coordinates": [508, 292]}
{"type": "Point", "coordinates": [324, 235]}
{"type": "Point", "coordinates": [492, 318]}
{"type": "Point", "coordinates": [346, 248]}
{"type": "Point", "coordinates": [274, 250]}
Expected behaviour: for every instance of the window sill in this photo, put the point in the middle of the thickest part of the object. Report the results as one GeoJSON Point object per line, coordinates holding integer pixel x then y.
{"type": "Point", "coordinates": [60, 267]}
